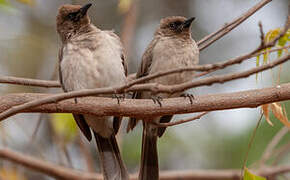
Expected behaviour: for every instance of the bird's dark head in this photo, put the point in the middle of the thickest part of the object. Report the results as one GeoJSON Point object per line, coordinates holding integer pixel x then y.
{"type": "Point", "coordinates": [175, 26]}
{"type": "Point", "coordinates": [71, 19]}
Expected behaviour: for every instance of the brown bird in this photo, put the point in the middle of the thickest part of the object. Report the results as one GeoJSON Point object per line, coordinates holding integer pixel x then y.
{"type": "Point", "coordinates": [92, 58]}
{"type": "Point", "coordinates": [171, 48]}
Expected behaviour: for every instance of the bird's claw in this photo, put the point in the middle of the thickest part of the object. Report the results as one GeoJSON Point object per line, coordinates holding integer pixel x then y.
{"type": "Point", "coordinates": [119, 97]}
{"type": "Point", "coordinates": [157, 99]}
{"type": "Point", "coordinates": [189, 96]}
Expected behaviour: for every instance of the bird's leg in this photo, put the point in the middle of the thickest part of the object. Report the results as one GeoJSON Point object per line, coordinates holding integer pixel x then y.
{"type": "Point", "coordinates": [119, 97]}
{"type": "Point", "coordinates": [157, 99]}
{"type": "Point", "coordinates": [189, 96]}
{"type": "Point", "coordinates": [76, 100]}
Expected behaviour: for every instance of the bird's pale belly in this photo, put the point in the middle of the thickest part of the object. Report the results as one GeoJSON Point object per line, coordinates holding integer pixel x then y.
{"type": "Point", "coordinates": [83, 75]}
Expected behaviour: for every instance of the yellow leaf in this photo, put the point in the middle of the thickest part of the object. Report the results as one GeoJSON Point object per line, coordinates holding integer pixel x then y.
{"type": "Point", "coordinates": [124, 6]}
{"type": "Point", "coordinates": [250, 176]}
{"type": "Point", "coordinates": [278, 113]}
{"type": "Point", "coordinates": [10, 174]}
{"type": "Point", "coordinates": [272, 34]}
{"type": "Point", "coordinates": [265, 109]}
{"type": "Point", "coordinates": [64, 125]}
{"type": "Point", "coordinates": [266, 55]}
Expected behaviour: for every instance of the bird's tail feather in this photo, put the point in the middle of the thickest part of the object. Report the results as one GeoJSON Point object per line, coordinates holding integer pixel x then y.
{"type": "Point", "coordinates": [112, 165]}
{"type": "Point", "coordinates": [149, 169]}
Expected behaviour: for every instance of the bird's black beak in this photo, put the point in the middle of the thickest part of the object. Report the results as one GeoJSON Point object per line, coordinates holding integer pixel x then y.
{"type": "Point", "coordinates": [85, 8]}
{"type": "Point", "coordinates": [188, 22]}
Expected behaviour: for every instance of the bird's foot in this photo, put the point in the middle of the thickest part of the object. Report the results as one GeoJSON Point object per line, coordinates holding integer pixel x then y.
{"type": "Point", "coordinates": [189, 96]}
{"type": "Point", "coordinates": [119, 97]}
{"type": "Point", "coordinates": [157, 99]}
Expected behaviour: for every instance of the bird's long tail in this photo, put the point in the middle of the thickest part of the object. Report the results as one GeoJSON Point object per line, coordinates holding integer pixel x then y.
{"type": "Point", "coordinates": [149, 169]}
{"type": "Point", "coordinates": [112, 165]}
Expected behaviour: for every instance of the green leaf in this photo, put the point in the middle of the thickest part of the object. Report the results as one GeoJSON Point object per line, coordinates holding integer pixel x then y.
{"type": "Point", "coordinates": [266, 55]}
{"type": "Point", "coordinates": [282, 42]}
{"type": "Point", "coordinates": [249, 176]}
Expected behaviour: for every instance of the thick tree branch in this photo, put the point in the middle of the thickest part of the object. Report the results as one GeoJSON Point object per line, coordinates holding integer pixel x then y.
{"type": "Point", "coordinates": [61, 172]}
{"type": "Point", "coordinates": [155, 88]}
{"type": "Point", "coordinates": [144, 107]}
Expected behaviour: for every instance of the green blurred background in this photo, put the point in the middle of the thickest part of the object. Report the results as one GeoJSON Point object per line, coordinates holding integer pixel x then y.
{"type": "Point", "coordinates": [29, 46]}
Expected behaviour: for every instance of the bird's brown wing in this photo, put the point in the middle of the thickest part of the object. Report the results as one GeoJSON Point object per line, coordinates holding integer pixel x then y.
{"type": "Point", "coordinates": [143, 70]}
{"type": "Point", "coordinates": [78, 118]}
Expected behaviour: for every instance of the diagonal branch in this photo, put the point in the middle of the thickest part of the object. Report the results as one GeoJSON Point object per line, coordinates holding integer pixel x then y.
{"type": "Point", "coordinates": [208, 40]}
{"type": "Point", "coordinates": [158, 88]}
{"type": "Point", "coordinates": [182, 121]}
{"type": "Point", "coordinates": [48, 168]}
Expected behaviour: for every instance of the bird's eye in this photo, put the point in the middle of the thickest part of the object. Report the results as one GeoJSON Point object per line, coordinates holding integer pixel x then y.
{"type": "Point", "coordinates": [70, 16]}
{"type": "Point", "coordinates": [178, 23]}
{"type": "Point", "coordinates": [172, 25]}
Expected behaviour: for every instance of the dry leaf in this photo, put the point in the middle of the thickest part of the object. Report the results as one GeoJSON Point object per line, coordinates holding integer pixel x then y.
{"type": "Point", "coordinates": [278, 113]}
{"type": "Point", "coordinates": [265, 109]}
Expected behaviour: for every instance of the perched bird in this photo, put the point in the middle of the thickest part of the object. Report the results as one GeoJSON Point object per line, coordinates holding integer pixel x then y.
{"type": "Point", "coordinates": [92, 58]}
{"type": "Point", "coordinates": [172, 47]}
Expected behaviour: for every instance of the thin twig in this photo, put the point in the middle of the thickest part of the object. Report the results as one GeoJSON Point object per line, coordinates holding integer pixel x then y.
{"type": "Point", "coordinates": [29, 82]}
{"type": "Point", "coordinates": [205, 42]}
{"type": "Point", "coordinates": [250, 145]}
{"type": "Point", "coordinates": [180, 121]}
{"type": "Point", "coordinates": [262, 35]}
